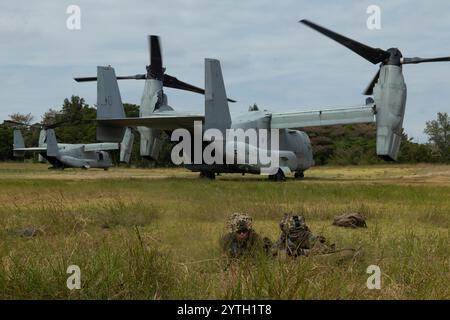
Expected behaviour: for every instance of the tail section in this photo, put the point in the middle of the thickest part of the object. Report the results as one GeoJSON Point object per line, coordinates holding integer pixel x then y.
{"type": "Point", "coordinates": [18, 143]}
{"type": "Point", "coordinates": [41, 144]}
{"type": "Point", "coordinates": [217, 113]}
{"type": "Point", "coordinates": [109, 105]}
{"type": "Point", "coordinates": [52, 144]}
{"type": "Point", "coordinates": [153, 100]}
{"type": "Point", "coordinates": [42, 136]}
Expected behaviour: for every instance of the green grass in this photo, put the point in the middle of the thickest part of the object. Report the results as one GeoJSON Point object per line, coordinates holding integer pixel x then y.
{"type": "Point", "coordinates": [157, 238]}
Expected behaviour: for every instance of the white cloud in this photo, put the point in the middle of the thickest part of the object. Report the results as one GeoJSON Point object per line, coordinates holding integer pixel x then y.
{"type": "Point", "coordinates": [267, 57]}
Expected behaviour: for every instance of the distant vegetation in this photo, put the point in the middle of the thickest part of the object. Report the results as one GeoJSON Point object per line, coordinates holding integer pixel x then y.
{"type": "Point", "coordinates": [341, 145]}
{"type": "Point", "coordinates": [356, 144]}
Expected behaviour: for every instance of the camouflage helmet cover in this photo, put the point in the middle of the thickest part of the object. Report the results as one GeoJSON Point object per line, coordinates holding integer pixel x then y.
{"type": "Point", "coordinates": [292, 223]}
{"type": "Point", "coordinates": [239, 221]}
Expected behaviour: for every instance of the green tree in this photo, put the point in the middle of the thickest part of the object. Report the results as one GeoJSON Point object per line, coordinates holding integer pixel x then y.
{"type": "Point", "coordinates": [411, 152]}
{"type": "Point", "coordinates": [78, 117]}
{"type": "Point", "coordinates": [6, 140]}
{"type": "Point", "coordinates": [343, 144]}
{"type": "Point", "coordinates": [30, 133]}
{"type": "Point", "coordinates": [51, 116]}
{"type": "Point", "coordinates": [22, 118]}
{"type": "Point", "coordinates": [438, 132]}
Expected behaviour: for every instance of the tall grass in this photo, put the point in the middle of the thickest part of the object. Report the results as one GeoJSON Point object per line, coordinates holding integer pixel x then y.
{"type": "Point", "coordinates": [158, 239]}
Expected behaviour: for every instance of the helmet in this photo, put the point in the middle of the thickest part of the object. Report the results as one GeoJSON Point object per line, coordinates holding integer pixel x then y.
{"type": "Point", "coordinates": [292, 224]}
{"type": "Point", "coordinates": [239, 221]}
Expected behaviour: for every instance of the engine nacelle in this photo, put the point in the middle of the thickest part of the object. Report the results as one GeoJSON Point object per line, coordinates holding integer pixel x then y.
{"type": "Point", "coordinates": [390, 100]}
{"type": "Point", "coordinates": [150, 142]}
{"type": "Point", "coordinates": [126, 146]}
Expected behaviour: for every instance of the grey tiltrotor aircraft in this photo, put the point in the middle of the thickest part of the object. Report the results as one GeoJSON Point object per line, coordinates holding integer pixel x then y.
{"type": "Point", "coordinates": [386, 109]}
{"type": "Point", "coordinates": [65, 155]}
{"type": "Point", "coordinates": [153, 103]}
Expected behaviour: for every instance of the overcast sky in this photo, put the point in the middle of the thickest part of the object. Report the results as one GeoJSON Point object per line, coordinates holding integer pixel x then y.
{"type": "Point", "coordinates": [267, 57]}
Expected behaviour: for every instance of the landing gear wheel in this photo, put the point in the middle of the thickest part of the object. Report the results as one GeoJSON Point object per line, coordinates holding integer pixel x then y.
{"type": "Point", "coordinates": [208, 174]}
{"type": "Point", "coordinates": [279, 176]}
{"type": "Point", "coordinates": [299, 175]}
{"type": "Point", "coordinates": [56, 167]}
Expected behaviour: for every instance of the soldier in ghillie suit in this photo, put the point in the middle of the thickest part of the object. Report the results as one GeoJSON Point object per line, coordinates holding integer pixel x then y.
{"type": "Point", "coordinates": [241, 238]}
{"type": "Point", "coordinates": [298, 240]}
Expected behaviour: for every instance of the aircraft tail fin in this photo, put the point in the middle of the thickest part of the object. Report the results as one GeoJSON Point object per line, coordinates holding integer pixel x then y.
{"type": "Point", "coordinates": [18, 143]}
{"type": "Point", "coordinates": [217, 113]}
{"type": "Point", "coordinates": [41, 144]}
{"type": "Point", "coordinates": [42, 136]}
{"type": "Point", "coordinates": [109, 105]}
{"type": "Point", "coordinates": [52, 144]}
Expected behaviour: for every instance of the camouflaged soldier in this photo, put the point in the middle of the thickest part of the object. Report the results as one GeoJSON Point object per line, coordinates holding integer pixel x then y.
{"type": "Point", "coordinates": [297, 239]}
{"type": "Point", "coordinates": [242, 239]}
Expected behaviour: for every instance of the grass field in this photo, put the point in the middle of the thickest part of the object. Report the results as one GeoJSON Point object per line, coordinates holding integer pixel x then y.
{"type": "Point", "coordinates": [153, 233]}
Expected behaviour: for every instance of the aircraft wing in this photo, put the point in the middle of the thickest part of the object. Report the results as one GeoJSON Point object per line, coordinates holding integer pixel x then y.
{"type": "Point", "coordinates": [101, 146]}
{"type": "Point", "coordinates": [163, 121]}
{"type": "Point", "coordinates": [325, 117]}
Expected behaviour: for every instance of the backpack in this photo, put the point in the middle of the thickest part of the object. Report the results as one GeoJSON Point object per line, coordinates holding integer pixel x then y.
{"type": "Point", "coordinates": [351, 220]}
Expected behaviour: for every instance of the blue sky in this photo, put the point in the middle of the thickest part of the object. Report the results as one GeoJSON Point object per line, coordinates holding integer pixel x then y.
{"type": "Point", "coordinates": [266, 56]}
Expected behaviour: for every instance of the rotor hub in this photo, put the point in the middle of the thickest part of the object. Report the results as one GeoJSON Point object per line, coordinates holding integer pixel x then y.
{"type": "Point", "coordinates": [395, 57]}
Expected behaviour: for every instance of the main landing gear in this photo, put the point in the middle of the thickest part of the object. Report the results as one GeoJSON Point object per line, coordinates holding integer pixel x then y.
{"type": "Point", "coordinates": [279, 176]}
{"type": "Point", "coordinates": [299, 175]}
{"type": "Point", "coordinates": [208, 174]}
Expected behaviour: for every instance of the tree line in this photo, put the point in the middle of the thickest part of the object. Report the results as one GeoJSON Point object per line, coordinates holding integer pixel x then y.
{"type": "Point", "coordinates": [342, 144]}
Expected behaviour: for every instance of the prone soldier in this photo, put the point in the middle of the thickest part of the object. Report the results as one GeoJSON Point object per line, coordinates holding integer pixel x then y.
{"type": "Point", "coordinates": [297, 239]}
{"type": "Point", "coordinates": [242, 239]}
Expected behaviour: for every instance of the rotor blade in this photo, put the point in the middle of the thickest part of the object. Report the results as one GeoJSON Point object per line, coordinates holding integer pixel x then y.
{"type": "Point", "coordinates": [135, 77]}
{"type": "Point", "coordinates": [374, 55]}
{"type": "Point", "coordinates": [55, 124]}
{"type": "Point", "coordinates": [420, 60]}
{"type": "Point", "coordinates": [71, 122]}
{"type": "Point", "coordinates": [34, 125]}
{"type": "Point", "coordinates": [156, 64]}
{"type": "Point", "coordinates": [85, 79]}
{"type": "Point", "coordinates": [17, 123]}
{"type": "Point", "coordinates": [172, 82]}
{"type": "Point", "coordinates": [38, 125]}
{"type": "Point", "coordinates": [369, 89]}
{"type": "Point", "coordinates": [169, 81]}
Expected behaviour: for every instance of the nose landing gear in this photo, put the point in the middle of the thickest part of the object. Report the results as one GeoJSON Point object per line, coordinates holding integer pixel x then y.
{"type": "Point", "coordinates": [299, 175]}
